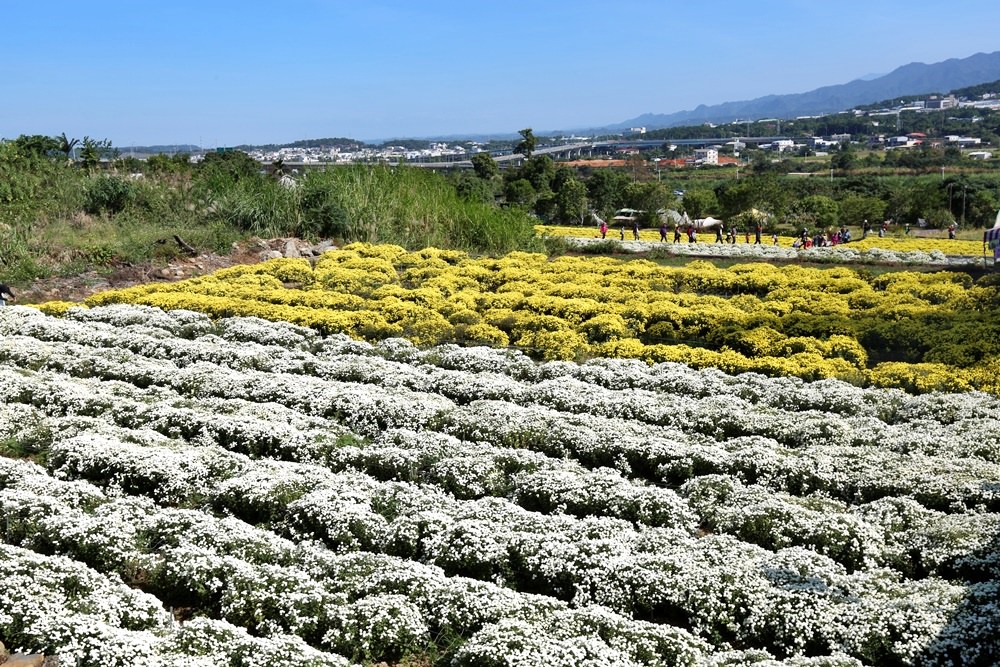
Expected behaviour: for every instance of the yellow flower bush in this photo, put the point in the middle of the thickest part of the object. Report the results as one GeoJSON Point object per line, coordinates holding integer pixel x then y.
{"type": "Point", "coordinates": [908, 329]}
{"type": "Point", "coordinates": [55, 307]}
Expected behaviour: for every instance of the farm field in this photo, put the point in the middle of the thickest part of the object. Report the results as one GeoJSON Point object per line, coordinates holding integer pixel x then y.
{"type": "Point", "coordinates": [429, 458]}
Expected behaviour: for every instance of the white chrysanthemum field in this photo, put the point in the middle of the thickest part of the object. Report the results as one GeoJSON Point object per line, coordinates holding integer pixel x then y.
{"type": "Point", "coordinates": [182, 488]}
{"type": "Point", "coordinates": [178, 490]}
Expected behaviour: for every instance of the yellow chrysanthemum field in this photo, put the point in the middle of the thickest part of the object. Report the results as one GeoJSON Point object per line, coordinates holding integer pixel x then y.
{"type": "Point", "coordinates": [918, 331]}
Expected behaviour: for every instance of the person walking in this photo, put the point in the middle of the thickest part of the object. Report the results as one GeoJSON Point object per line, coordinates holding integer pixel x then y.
{"type": "Point", "coordinates": [6, 295]}
{"type": "Point", "coordinates": [718, 234]}
{"type": "Point", "coordinates": [677, 233]}
{"type": "Point", "coordinates": [635, 230]}
{"type": "Point", "coordinates": [663, 232]}
{"type": "Point", "coordinates": [604, 229]}
{"type": "Point", "coordinates": [756, 234]}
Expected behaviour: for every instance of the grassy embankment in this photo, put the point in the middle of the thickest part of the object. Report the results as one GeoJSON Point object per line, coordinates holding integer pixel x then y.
{"type": "Point", "coordinates": [56, 219]}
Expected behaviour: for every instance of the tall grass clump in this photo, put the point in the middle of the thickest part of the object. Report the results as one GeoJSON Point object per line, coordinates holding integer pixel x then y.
{"type": "Point", "coordinates": [260, 207]}
{"type": "Point", "coordinates": [409, 207]}
{"type": "Point", "coordinates": [34, 190]}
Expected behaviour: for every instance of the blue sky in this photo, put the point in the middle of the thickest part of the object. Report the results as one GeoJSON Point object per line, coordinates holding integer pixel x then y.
{"type": "Point", "coordinates": [224, 72]}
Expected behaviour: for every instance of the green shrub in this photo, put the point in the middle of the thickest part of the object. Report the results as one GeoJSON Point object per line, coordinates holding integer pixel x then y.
{"type": "Point", "coordinates": [108, 195]}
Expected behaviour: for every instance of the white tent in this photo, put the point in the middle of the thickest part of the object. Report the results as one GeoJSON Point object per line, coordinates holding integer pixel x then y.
{"type": "Point", "coordinates": [669, 215]}
{"type": "Point", "coordinates": [992, 234]}
{"type": "Point", "coordinates": [707, 223]}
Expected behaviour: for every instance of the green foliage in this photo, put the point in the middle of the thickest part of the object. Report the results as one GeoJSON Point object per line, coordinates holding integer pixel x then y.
{"type": "Point", "coordinates": [257, 206]}
{"type": "Point", "coordinates": [472, 188]}
{"type": "Point", "coordinates": [527, 144]}
{"type": "Point", "coordinates": [648, 197]}
{"type": "Point", "coordinates": [219, 169]}
{"type": "Point", "coordinates": [322, 214]}
{"type": "Point", "coordinates": [606, 191]}
{"type": "Point", "coordinates": [485, 166]}
{"type": "Point", "coordinates": [520, 193]}
{"type": "Point", "coordinates": [815, 211]}
{"type": "Point", "coordinates": [179, 163]}
{"type": "Point", "coordinates": [36, 144]}
{"type": "Point", "coordinates": [700, 203]}
{"type": "Point", "coordinates": [94, 151]}
{"type": "Point", "coordinates": [108, 195]}
{"type": "Point", "coordinates": [571, 201]}
{"type": "Point", "coordinates": [415, 208]}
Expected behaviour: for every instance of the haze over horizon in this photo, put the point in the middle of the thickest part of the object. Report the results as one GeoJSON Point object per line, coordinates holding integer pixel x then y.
{"type": "Point", "coordinates": [228, 73]}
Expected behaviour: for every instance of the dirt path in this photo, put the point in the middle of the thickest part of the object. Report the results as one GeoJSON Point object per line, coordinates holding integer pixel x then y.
{"type": "Point", "coordinates": [79, 287]}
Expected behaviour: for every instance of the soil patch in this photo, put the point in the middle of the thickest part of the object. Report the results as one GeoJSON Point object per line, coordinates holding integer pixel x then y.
{"type": "Point", "coordinates": [79, 287]}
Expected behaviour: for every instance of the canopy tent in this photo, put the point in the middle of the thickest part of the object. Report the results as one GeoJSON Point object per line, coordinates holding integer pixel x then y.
{"type": "Point", "coordinates": [707, 223]}
{"type": "Point", "coordinates": [991, 237]}
{"type": "Point", "coordinates": [672, 216]}
{"type": "Point", "coordinates": [993, 234]}
{"type": "Point", "coordinates": [627, 214]}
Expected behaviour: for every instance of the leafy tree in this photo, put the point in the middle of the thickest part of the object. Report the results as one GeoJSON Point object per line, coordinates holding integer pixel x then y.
{"type": "Point", "coordinates": [485, 166]}
{"type": "Point", "coordinates": [36, 144]}
{"type": "Point", "coordinates": [540, 170]}
{"type": "Point", "coordinates": [980, 208]}
{"type": "Point", "coordinates": [844, 159]}
{"type": "Point", "coordinates": [606, 190]}
{"type": "Point", "coordinates": [520, 193]}
{"type": "Point", "coordinates": [938, 218]}
{"type": "Point", "coordinates": [571, 201]}
{"type": "Point", "coordinates": [527, 144]}
{"type": "Point", "coordinates": [648, 197]}
{"type": "Point", "coordinates": [855, 209]}
{"type": "Point", "coordinates": [816, 211]}
{"type": "Point", "coordinates": [233, 166]}
{"type": "Point", "coordinates": [471, 188]}
{"type": "Point", "coordinates": [700, 203]}
{"type": "Point", "coordinates": [94, 151]}
{"type": "Point", "coordinates": [762, 192]}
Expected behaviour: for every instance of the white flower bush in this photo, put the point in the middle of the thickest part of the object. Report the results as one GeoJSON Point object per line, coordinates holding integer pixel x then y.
{"type": "Point", "coordinates": [294, 499]}
{"type": "Point", "coordinates": [838, 254]}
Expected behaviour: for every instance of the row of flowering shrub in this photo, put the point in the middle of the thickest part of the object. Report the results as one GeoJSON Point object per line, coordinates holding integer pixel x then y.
{"type": "Point", "coordinates": [320, 499]}
{"type": "Point", "coordinates": [874, 249]}
{"type": "Point", "coordinates": [918, 331]}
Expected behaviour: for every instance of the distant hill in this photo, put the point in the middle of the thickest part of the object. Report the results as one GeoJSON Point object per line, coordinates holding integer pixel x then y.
{"type": "Point", "coordinates": [912, 79]}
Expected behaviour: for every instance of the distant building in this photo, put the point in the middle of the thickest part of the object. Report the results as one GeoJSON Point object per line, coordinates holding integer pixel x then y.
{"type": "Point", "coordinates": [707, 155]}
{"type": "Point", "coordinates": [946, 102]}
{"type": "Point", "coordinates": [633, 131]}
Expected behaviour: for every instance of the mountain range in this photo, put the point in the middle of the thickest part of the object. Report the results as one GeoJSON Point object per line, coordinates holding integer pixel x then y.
{"type": "Point", "coordinates": [912, 79]}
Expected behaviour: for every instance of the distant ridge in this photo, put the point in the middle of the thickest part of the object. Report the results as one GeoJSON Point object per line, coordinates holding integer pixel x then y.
{"type": "Point", "coordinates": [912, 79]}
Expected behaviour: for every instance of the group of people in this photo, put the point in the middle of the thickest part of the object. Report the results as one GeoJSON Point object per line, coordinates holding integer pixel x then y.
{"type": "Point", "coordinates": [823, 239]}
{"type": "Point", "coordinates": [6, 295]}
{"type": "Point", "coordinates": [804, 240]}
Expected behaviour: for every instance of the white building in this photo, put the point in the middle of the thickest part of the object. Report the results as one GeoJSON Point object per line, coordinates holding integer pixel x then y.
{"type": "Point", "coordinates": [707, 155]}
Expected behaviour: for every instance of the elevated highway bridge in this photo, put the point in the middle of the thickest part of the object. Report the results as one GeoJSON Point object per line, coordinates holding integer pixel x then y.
{"type": "Point", "coordinates": [562, 151]}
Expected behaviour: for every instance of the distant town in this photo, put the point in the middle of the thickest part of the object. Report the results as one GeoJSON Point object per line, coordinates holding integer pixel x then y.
{"type": "Point", "coordinates": [882, 121]}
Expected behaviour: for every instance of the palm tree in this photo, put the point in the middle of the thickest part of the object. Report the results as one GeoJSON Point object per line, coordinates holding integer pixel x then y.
{"type": "Point", "coordinates": [66, 145]}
